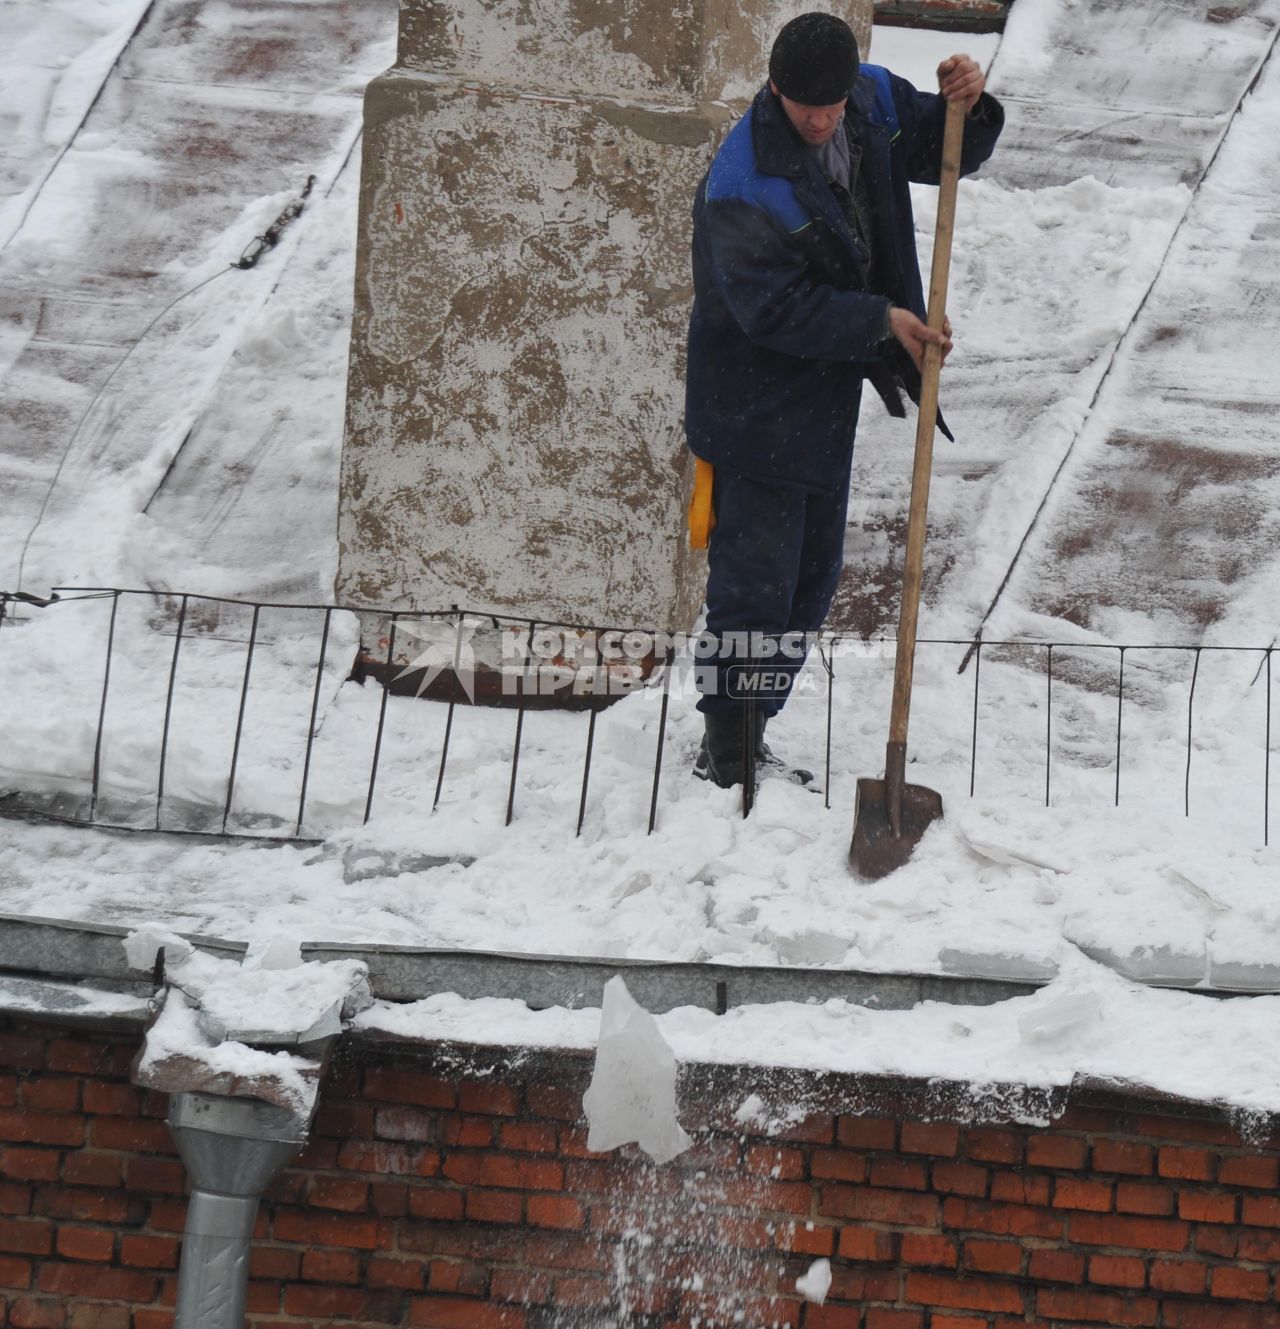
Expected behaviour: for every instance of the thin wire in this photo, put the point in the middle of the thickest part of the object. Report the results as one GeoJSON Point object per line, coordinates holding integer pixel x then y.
{"type": "Point", "coordinates": [97, 396]}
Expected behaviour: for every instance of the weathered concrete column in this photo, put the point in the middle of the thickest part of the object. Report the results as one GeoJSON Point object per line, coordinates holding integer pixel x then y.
{"type": "Point", "coordinates": [514, 437]}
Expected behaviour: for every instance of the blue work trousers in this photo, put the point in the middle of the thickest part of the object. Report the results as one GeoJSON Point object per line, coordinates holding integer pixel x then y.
{"type": "Point", "coordinates": [774, 561]}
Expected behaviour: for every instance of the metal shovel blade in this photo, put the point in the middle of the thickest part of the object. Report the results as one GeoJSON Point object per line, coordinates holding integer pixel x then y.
{"type": "Point", "coordinates": [876, 850]}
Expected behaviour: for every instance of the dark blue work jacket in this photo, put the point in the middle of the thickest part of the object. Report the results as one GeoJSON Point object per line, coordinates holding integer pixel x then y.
{"type": "Point", "coordinates": [785, 326]}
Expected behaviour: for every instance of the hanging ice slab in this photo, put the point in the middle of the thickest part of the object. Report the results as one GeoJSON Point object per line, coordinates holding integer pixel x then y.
{"type": "Point", "coordinates": [632, 1095]}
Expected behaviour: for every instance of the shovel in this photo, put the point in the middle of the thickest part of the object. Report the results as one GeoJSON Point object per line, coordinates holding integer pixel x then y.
{"type": "Point", "coordinates": [890, 815]}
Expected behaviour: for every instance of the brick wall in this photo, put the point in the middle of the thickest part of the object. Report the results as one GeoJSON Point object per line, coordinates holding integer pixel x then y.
{"type": "Point", "coordinates": [466, 1199]}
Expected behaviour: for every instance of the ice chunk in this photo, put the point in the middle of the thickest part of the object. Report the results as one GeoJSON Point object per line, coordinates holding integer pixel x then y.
{"type": "Point", "coordinates": [142, 945]}
{"type": "Point", "coordinates": [816, 1283]}
{"type": "Point", "coordinates": [632, 1095]}
{"type": "Point", "coordinates": [750, 1109]}
{"type": "Point", "coordinates": [273, 953]}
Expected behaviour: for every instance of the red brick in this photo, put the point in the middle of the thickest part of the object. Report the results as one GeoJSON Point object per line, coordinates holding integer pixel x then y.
{"type": "Point", "coordinates": [1136, 1160]}
{"type": "Point", "coordinates": [838, 1165]}
{"type": "Point", "coordinates": [50, 1094]}
{"type": "Point", "coordinates": [131, 1134]}
{"type": "Point", "coordinates": [807, 1239]}
{"type": "Point", "coordinates": [830, 1317]}
{"type": "Point", "coordinates": [520, 1285]}
{"type": "Point", "coordinates": [1264, 1247]}
{"type": "Point", "coordinates": [467, 1132]}
{"type": "Point", "coordinates": [14, 1273]}
{"type": "Point", "coordinates": [21, 1054]}
{"type": "Point", "coordinates": [1186, 1164]}
{"type": "Point", "coordinates": [557, 1211]}
{"type": "Point", "coordinates": [1156, 1234]}
{"type": "Point", "coordinates": [389, 1199]}
{"type": "Point", "coordinates": [582, 1293]}
{"type": "Point", "coordinates": [345, 1231]}
{"type": "Point", "coordinates": [460, 1276]}
{"type": "Point", "coordinates": [438, 1204]}
{"type": "Point", "coordinates": [507, 1170]}
{"type": "Point", "coordinates": [411, 1124]}
{"type": "Point", "coordinates": [321, 1301]}
{"type": "Point", "coordinates": [77, 1058]}
{"type": "Point", "coordinates": [551, 1101]}
{"type": "Point", "coordinates": [96, 1315]}
{"type": "Point", "coordinates": [989, 1144]}
{"type": "Point", "coordinates": [456, 1313]}
{"type": "Point", "coordinates": [110, 1098]}
{"type": "Point", "coordinates": [1240, 1284]}
{"type": "Point", "coordinates": [1097, 1307]}
{"type": "Point", "coordinates": [993, 1257]}
{"type": "Point", "coordinates": [1080, 1193]}
{"type": "Point", "coordinates": [85, 1168]}
{"type": "Point", "coordinates": [8, 1090]}
{"type": "Point", "coordinates": [1189, 1128]}
{"type": "Point", "coordinates": [86, 1243]}
{"type": "Point", "coordinates": [937, 1321]}
{"type": "Point", "coordinates": [1199, 1315]}
{"type": "Point", "coordinates": [960, 1179]}
{"type": "Point", "coordinates": [41, 1127]}
{"type": "Point", "coordinates": [879, 1317]}
{"type": "Point", "coordinates": [152, 1319]}
{"type": "Point", "coordinates": [865, 1283]}
{"type": "Point", "coordinates": [495, 1207]}
{"type": "Point", "coordinates": [936, 1138]}
{"type": "Point", "coordinates": [36, 1313]}
{"type": "Point", "coordinates": [769, 1160]}
{"type": "Point", "coordinates": [864, 1243]}
{"type": "Point", "coordinates": [1179, 1276]}
{"type": "Point", "coordinates": [867, 1133]}
{"type": "Point", "coordinates": [1057, 1151]}
{"type": "Point", "coordinates": [900, 1173]}
{"type": "Point", "coordinates": [26, 1236]}
{"type": "Point", "coordinates": [1206, 1207]}
{"type": "Point", "coordinates": [533, 1137]}
{"type": "Point", "coordinates": [1021, 1188]}
{"type": "Point", "coordinates": [30, 1164]}
{"type": "Point", "coordinates": [318, 1156]}
{"type": "Point", "coordinates": [14, 1199]}
{"type": "Point", "coordinates": [408, 1275]}
{"type": "Point", "coordinates": [1261, 1211]}
{"type": "Point", "coordinates": [877, 1206]}
{"type": "Point", "coordinates": [165, 1176]}
{"type": "Point", "coordinates": [331, 1267]}
{"type": "Point", "coordinates": [974, 1294]}
{"type": "Point", "coordinates": [1001, 1220]}
{"type": "Point", "coordinates": [266, 1261]}
{"type": "Point", "coordinates": [814, 1128]}
{"type": "Point", "coordinates": [167, 1215]}
{"type": "Point", "coordinates": [928, 1249]}
{"type": "Point", "coordinates": [1117, 1271]}
{"type": "Point", "coordinates": [88, 1206]}
{"type": "Point", "coordinates": [338, 1193]}
{"type": "Point", "coordinates": [344, 1121]}
{"type": "Point", "coordinates": [1051, 1266]}
{"type": "Point", "coordinates": [1260, 1173]}
{"type": "Point", "coordinates": [1140, 1197]}
{"type": "Point", "coordinates": [382, 1158]}
{"type": "Point", "coordinates": [492, 1100]}
{"type": "Point", "coordinates": [1216, 1240]}
{"type": "Point", "coordinates": [413, 1087]}
{"type": "Point", "coordinates": [83, 1280]}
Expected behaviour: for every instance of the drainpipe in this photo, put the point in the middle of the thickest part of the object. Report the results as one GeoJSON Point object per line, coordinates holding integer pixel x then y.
{"type": "Point", "coordinates": [233, 1149]}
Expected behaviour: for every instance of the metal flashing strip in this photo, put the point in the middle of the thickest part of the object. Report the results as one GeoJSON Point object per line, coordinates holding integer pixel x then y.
{"type": "Point", "coordinates": [45, 947]}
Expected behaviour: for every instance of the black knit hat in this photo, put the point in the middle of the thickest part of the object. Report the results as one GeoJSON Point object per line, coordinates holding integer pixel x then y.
{"type": "Point", "coordinates": [815, 60]}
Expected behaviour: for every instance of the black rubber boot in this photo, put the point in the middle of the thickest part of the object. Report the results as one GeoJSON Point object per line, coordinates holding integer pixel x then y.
{"type": "Point", "coordinates": [720, 759]}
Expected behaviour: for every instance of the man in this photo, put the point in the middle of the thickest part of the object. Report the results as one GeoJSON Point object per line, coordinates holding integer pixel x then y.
{"type": "Point", "coordinates": [806, 282]}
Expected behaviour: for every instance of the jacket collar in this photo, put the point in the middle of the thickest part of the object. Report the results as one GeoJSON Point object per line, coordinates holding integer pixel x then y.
{"type": "Point", "coordinates": [779, 150]}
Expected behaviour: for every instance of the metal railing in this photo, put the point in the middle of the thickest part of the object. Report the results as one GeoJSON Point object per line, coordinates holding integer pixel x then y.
{"type": "Point", "coordinates": [218, 820]}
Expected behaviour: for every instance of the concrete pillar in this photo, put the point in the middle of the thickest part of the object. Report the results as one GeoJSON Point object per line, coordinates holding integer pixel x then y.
{"type": "Point", "coordinates": [514, 440]}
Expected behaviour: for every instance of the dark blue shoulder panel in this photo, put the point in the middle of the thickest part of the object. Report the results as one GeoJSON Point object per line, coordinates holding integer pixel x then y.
{"type": "Point", "coordinates": [886, 113]}
{"type": "Point", "coordinates": [734, 177]}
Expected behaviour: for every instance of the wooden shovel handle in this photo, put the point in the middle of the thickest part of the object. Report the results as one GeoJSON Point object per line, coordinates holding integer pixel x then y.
{"type": "Point", "coordinates": [913, 568]}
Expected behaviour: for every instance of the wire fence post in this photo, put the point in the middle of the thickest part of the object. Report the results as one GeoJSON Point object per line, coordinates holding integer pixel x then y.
{"type": "Point", "coordinates": [311, 724]}
{"type": "Point", "coordinates": [515, 747]}
{"type": "Point", "coordinates": [102, 709]}
{"type": "Point", "coordinates": [448, 719]}
{"type": "Point", "coordinates": [1266, 766]}
{"type": "Point", "coordinates": [828, 658]}
{"type": "Point", "coordinates": [1048, 725]}
{"type": "Point", "coordinates": [1119, 720]}
{"type": "Point", "coordinates": [382, 717]}
{"type": "Point", "coordinates": [244, 697]}
{"type": "Point", "coordinates": [973, 741]}
{"type": "Point", "coordinates": [591, 734]}
{"type": "Point", "coordinates": [1191, 701]}
{"type": "Point", "coordinates": [662, 735]}
{"type": "Point", "coordinates": [168, 706]}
